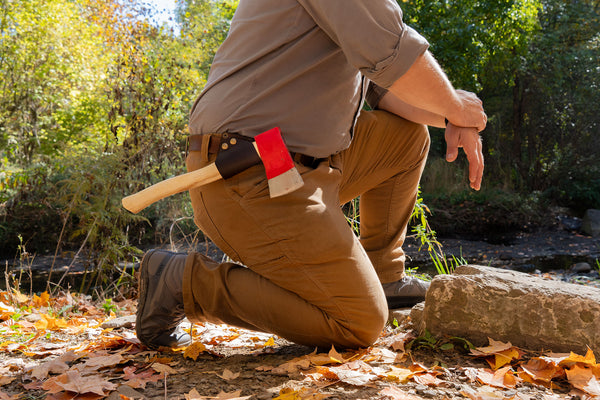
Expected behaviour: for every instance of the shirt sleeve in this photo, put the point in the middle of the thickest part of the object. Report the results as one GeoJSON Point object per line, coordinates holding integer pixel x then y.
{"type": "Point", "coordinates": [371, 34]}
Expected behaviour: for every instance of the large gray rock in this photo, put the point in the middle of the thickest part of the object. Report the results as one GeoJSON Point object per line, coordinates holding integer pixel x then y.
{"type": "Point", "coordinates": [591, 223]}
{"type": "Point", "coordinates": [479, 302]}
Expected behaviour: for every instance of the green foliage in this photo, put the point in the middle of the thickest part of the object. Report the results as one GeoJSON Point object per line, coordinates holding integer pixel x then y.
{"type": "Point", "coordinates": [91, 112]}
{"type": "Point", "coordinates": [427, 341]}
{"type": "Point", "coordinates": [475, 40]}
{"type": "Point", "coordinates": [422, 230]}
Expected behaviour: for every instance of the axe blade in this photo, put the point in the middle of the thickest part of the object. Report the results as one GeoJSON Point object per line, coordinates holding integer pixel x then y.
{"type": "Point", "coordinates": [282, 175]}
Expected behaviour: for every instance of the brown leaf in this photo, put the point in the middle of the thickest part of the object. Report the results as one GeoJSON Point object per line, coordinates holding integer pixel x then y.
{"type": "Point", "coordinates": [139, 380]}
{"type": "Point", "coordinates": [163, 368]}
{"type": "Point", "coordinates": [72, 381]}
{"type": "Point", "coordinates": [292, 367]}
{"type": "Point", "coordinates": [228, 375]}
{"type": "Point", "coordinates": [493, 348]}
{"type": "Point", "coordinates": [55, 366]}
{"type": "Point", "coordinates": [427, 379]}
{"type": "Point", "coordinates": [97, 362]}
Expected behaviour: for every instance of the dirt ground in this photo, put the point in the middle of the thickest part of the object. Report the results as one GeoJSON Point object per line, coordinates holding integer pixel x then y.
{"type": "Point", "coordinates": [236, 364]}
{"type": "Point", "coordinates": [91, 356]}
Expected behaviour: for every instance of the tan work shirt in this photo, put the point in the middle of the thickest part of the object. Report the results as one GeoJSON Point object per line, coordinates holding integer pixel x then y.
{"type": "Point", "coordinates": [301, 65]}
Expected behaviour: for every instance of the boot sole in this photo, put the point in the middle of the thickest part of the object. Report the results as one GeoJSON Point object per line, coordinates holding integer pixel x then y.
{"type": "Point", "coordinates": [403, 302]}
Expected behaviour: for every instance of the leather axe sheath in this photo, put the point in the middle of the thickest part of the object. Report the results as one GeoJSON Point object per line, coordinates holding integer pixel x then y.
{"type": "Point", "coordinates": [267, 148]}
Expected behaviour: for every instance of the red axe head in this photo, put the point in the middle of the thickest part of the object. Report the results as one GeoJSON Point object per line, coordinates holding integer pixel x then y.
{"type": "Point", "coordinates": [282, 175]}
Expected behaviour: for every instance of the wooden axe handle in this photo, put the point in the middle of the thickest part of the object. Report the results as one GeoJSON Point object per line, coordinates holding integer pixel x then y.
{"type": "Point", "coordinates": [140, 200]}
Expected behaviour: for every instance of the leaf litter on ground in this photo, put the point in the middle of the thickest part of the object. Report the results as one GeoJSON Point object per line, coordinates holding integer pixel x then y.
{"type": "Point", "coordinates": [57, 348]}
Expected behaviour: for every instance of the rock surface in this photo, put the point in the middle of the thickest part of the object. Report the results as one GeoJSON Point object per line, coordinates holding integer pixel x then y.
{"type": "Point", "coordinates": [478, 302]}
{"type": "Point", "coordinates": [591, 223]}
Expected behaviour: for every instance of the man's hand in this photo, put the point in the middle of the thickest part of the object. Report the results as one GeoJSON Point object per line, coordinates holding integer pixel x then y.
{"type": "Point", "coordinates": [470, 141]}
{"type": "Point", "coordinates": [470, 113]}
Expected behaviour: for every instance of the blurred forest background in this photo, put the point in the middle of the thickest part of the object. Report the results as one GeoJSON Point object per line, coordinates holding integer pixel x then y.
{"type": "Point", "coordinates": [95, 95]}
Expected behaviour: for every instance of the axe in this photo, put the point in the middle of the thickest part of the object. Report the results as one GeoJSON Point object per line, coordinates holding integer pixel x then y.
{"type": "Point", "coordinates": [267, 147]}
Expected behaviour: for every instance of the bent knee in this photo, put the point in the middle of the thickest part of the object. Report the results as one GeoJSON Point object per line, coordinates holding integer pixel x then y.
{"type": "Point", "coordinates": [367, 327]}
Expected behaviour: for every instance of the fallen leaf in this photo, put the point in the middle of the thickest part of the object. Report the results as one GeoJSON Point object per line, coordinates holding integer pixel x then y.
{"type": "Point", "coordinates": [573, 358]}
{"type": "Point", "coordinates": [42, 300]}
{"type": "Point", "coordinates": [582, 377]}
{"type": "Point", "coordinates": [228, 375]}
{"type": "Point", "coordinates": [493, 348]}
{"type": "Point", "coordinates": [357, 373]}
{"type": "Point", "coordinates": [270, 342]}
{"type": "Point", "coordinates": [302, 394]}
{"type": "Point", "coordinates": [194, 350]}
{"type": "Point", "coordinates": [335, 356]}
{"type": "Point", "coordinates": [292, 366]}
{"type": "Point", "coordinates": [72, 381]}
{"type": "Point", "coordinates": [395, 393]}
{"type": "Point", "coordinates": [230, 396]}
{"type": "Point", "coordinates": [542, 370]}
{"type": "Point", "coordinates": [5, 380]}
{"type": "Point", "coordinates": [193, 395]}
{"type": "Point", "coordinates": [482, 393]}
{"type": "Point", "coordinates": [139, 380]}
{"type": "Point", "coordinates": [163, 368]}
{"type": "Point", "coordinates": [401, 375]}
{"type": "Point", "coordinates": [50, 324]}
{"type": "Point", "coordinates": [55, 366]}
{"type": "Point", "coordinates": [503, 378]}
{"type": "Point", "coordinates": [505, 357]}
{"type": "Point", "coordinates": [98, 362]}
{"type": "Point", "coordinates": [428, 379]}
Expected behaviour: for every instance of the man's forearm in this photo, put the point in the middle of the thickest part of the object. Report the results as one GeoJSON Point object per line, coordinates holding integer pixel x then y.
{"type": "Point", "coordinates": [427, 87]}
{"type": "Point", "coordinates": [390, 102]}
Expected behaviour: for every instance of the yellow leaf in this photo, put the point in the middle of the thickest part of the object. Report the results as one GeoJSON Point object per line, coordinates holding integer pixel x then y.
{"type": "Point", "coordinates": [573, 358]}
{"type": "Point", "coordinates": [399, 374]}
{"type": "Point", "coordinates": [41, 324]}
{"type": "Point", "coordinates": [505, 357]}
{"type": "Point", "coordinates": [270, 342]}
{"type": "Point", "coordinates": [287, 394]}
{"type": "Point", "coordinates": [335, 356]}
{"type": "Point", "coordinates": [194, 350]}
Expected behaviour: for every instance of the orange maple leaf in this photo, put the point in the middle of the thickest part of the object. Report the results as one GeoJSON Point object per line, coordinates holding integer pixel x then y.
{"type": "Point", "coordinates": [194, 350]}
{"type": "Point", "coordinates": [42, 300]}
{"type": "Point", "coordinates": [582, 377]}
{"type": "Point", "coordinates": [540, 369]}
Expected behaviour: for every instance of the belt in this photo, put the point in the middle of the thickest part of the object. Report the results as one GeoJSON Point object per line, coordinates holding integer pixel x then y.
{"type": "Point", "coordinates": [216, 142]}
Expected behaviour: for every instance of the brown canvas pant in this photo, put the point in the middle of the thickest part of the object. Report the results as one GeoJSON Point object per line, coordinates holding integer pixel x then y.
{"type": "Point", "coordinates": [302, 273]}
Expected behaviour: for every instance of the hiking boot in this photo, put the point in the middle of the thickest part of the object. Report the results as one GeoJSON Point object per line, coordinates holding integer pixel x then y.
{"type": "Point", "coordinates": [406, 292]}
{"type": "Point", "coordinates": [160, 300]}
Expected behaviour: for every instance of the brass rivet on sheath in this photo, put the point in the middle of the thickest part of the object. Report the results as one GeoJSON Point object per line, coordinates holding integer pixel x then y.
{"type": "Point", "coordinates": [233, 141]}
{"type": "Point", "coordinates": [224, 146]}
